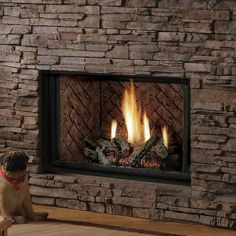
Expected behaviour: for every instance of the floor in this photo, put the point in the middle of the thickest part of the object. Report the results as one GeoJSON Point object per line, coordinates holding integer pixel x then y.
{"type": "Point", "coordinates": [63, 222]}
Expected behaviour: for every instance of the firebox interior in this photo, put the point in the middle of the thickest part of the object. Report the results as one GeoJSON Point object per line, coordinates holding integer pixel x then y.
{"type": "Point", "coordinates": [78, 106]}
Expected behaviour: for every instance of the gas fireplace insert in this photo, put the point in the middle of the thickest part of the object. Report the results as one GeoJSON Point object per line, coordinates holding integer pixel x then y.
{"type": "Point", "coordinates": [116, 124]}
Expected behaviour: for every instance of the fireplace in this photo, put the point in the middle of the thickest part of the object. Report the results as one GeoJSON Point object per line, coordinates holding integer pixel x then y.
{"type": "Point", "coordinates": [79, 110]}
{"type": "Point", "coordinates": [44, 43]}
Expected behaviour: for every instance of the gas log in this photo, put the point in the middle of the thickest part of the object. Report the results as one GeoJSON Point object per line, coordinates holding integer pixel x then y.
{"type": "Point", "coordinates": [155, 143]}
{"type": "Point", "coordinates": [91, 154]}
{"type": "Point", "coordinates": [124, 146]}
{"type": "Point", "coordinates": [118, 152]}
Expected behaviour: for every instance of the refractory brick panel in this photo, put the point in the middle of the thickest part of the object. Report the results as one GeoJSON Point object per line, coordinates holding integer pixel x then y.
{"type": "Point", "coordinates": [88, 106]}
{"type": "Point", "coordinates": [79, 115]}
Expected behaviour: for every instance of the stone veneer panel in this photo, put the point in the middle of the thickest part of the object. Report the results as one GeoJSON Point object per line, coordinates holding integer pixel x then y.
{"type": "Point", "coordinates": [187, 38]}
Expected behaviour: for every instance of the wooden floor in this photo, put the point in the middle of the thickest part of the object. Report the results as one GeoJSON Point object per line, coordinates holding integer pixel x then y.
{"type": "Point", "coordinates": [67, 222]}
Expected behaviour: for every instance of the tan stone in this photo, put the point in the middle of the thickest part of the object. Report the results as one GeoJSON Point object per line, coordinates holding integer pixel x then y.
{"type": "Point", "coordinates": [75, 204]}
{"type": "Point", "coordinates": [97, 207]}
{"type": "Point", "coordinates": [118, 209]}
{"type": "Point", "coordinates": [226, 27]}
{"type": "Point", "coordinates": [64, 179]}
{"type": "Point", "coordinates": [43, 200]}
{"type": "Point", "coordinates": [230, 145]}
{"type": "Point", "coordinates": [181, 216]}
{"type": "Point", "coordinates": [202, 15]}
{"type": "Point", "coordinates": [53, 192]}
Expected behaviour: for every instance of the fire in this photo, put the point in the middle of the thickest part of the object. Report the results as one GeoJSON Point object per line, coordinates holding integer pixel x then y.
{"type": "Point", "coordinates": [133, 117]}
{"type": "Point", "coordinates": [132, 114]}
{"type": "Point", "coordinates": [146, 128]}
{"type": "Point", "coordinates": [113, 128]}
{"type": "Point", "coordinates": [165, 136]}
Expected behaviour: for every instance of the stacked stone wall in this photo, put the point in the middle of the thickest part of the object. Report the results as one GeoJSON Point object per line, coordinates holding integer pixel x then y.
{"type": "Point", "coordinates": [195, 39]}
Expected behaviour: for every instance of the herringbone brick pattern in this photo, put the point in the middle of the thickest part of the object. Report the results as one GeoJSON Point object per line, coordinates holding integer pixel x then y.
{"type": "Point", "coordinates": [162, 102]}
{"type": "Point", "coordinates": [79, 114]}
{"type": "Point", "coordinates": [88, 107]}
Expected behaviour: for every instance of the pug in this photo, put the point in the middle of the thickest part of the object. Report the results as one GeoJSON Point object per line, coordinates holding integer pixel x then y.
{"type": "Point", "coordinates": [15, 200]}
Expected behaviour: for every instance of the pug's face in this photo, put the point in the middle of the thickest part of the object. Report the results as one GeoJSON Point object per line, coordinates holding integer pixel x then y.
{"type": "Point", "coordinates": [14, 161]}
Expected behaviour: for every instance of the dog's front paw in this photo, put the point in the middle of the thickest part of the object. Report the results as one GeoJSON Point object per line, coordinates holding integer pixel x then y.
{"type": "Point", "coordinates": [18, 219]}
{"type": "Point", "coordinates": [40, 216]}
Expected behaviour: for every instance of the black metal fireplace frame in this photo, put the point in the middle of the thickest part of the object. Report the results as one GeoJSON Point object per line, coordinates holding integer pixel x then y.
{"type": "Point", "coordinates": [49, 130]}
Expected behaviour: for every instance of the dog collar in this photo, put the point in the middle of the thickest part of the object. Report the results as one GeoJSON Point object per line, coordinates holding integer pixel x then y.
{"type": "Point", "coordinates": [13, 181]}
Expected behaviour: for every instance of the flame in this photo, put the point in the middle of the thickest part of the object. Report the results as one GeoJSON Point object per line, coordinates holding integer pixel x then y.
{"type": "Point", "coordinates": [113, 128]}
{"type": "Point", "coordinates": [146, 128]}
{"type": "Point", "coordinates": [165, 136]}
{"type": "Point", "coordinates": [131, 114]}
{"type": "Point", "coordinates": [133, 117]}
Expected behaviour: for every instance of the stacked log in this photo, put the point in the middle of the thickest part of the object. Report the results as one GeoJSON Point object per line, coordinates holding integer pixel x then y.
{"type": "Point", "coordinates": [118, 152]}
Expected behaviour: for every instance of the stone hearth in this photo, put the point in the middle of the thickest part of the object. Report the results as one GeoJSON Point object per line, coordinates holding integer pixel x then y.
{"type": "Point", "coordinates": [192, 39]}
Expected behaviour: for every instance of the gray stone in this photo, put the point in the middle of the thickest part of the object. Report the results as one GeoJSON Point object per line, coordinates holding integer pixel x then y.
{"type": "Point", "coordinates": [26, 101]}
{"type": "Point", "coordinates": [138, 193]}
{"type": "Point", "coordinates": [45, 183]}
{"type": "Point", "coordinates": [86, 198]}
{"type": "Point", "coordinates": [90, 10]}
{"type": "Point", "coordinates": [97, 207]}
{"type": "Point", "coordinates": [172, 56]}
{"type": "Point", "coordinates": [231, 145]}
{"type": "Point", "coordinates": [91, 21]}
{"type": "Point", "coordinates": [74, 204]}
{"type": "Point", "coordinates": [228, 170]}
{"type": "Point", "coordinates": [171, 36]}
{"type": "Point", "coordinates": [21, 29]}
{"type": "Point", "coordinates": [134, 202]}
{"type": "Point", "coordinates": [181, 216]}
{"type": "Point", "coordinates": [205, 145]}
{"type": "Point", "coordinates": [229, 178]}
{"type": "Point", "coordinates": [88, 190]}
{"type": "Point", "coordinates": [198, 27]}
{"type": "Point", "coordinates": [175, 4]}
{"type": "Point", "coordinates": [109, 68]}
{"type": "Point", "coordinates": [47, 60]}
{"type": "Point", "coordinates": [209, 220]}
{"type": "Point", "coordinates": [104, 192]}
{"type": "Point", "coordinates": [113, 24]}
{"type": "Point", "coordinates": [193, 39]}
{"type": "Point", "coordinates": [5, 29]}
{"type": "Point", "coordinates": [206, 168]}
{"type": "Point", "coordinates": [204, 204]}
{"type": "Point", "coordinates": [52, 192]}
{"type": "Point", "coordinates": [204, 15]}
{"type": "Point", "coordinates": [222, 222]}
{"type": "Point", "coordinates": [117, 17]}
{"type": "Point", "coordinates": [97, 47]}
{"type": "Point", "coordinates": [72, 61]}
{"type": "Point", "coordinates": [22, 145]}
{"type": "Point", "coordinates": [226, 4]}
{"type": "Point", "coordinates": [142, 213]}
{"type": "Point", "coordinates": [69, 52]}
{"type": "Point", "coordinates": [118, 209]}
{"type": "Point", "coordinates": [65, 179]}
{"type": "Point", "coordinates": [10, 39]}
{"type": "Point", "coordinates": [197, 67]}
{"type": "Point", "coordinates": [43, 200]}
{"type": "Point", "coordinates": [80, 2]}
{"type": "Point", "coordinates": [106, 2]}
{"type": "Point", "coordinates": [11, 136]}
{"type": "Point", "coordinates": [31, 12]}
{"type": "Point", "coordinates": [225, 27]}
{"type": "Point", "coordinates": [15, 20]}
{"type": "Point", "coordinates": [10, 121]}
{"type": "Point", "coordinates": [141, 3]}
